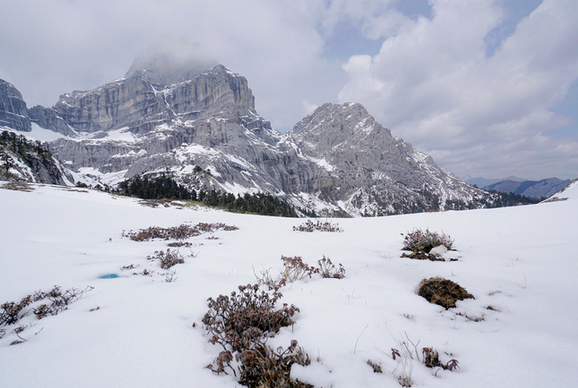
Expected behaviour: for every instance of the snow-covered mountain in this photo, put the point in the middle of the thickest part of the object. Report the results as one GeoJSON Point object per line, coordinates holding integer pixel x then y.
{"type": "Point", "coordinates": [202, 127]}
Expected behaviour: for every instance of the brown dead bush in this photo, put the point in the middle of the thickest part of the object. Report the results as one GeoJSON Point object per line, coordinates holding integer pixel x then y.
{"type": "Point", "coordinates": [180, 232]}
{"type": "Point", "coordinates": [310, 226]}
{"type": "Point", "coordinates": [420, 243]}
{"type": "Point", "coordinates": [442, 292]}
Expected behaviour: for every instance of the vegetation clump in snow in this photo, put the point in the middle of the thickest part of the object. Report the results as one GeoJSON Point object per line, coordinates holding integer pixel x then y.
{"type": "Point", "coordinates": [431, 359]}
{"type": "Point", "coordinates": [442, 292]}
{"type": "Point", "coordinates": [167, 259]}
{"type": "Point", "coordinates": [266, 367]}
{"type": "Point", "coordinates": [58, 301]}
{"type": "Point", "coordinates": [180, 232]}
{"type": "Point", "coordinates": [18, 186]}
{"type": "Point", "coordinates": [420, 243]}
{"type": "Point", "coordinates": [328, 270]}
{"type": "Point", "coordinates": [310, 226]}
{"type": "Point", "coordinates": [295, 269]}
{"type": "Point", "coordinates": [241, 324]}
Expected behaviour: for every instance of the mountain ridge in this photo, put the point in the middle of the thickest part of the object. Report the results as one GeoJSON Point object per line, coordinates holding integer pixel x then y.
{"type": "Point", "coordinates": [337, 161]}
{"type": "Point", "coordinates": [533, 189]}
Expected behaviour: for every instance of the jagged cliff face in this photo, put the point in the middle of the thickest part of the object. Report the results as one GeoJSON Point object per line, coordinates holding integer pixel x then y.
{"type": "Point", "coordinates": [137, 102]}
{"type": "Point", "coordinates": [113, 105]}
{"type": "Point", "coordinates": [203, 128]}
{"type": "Point", "coordinates": [13, 111]}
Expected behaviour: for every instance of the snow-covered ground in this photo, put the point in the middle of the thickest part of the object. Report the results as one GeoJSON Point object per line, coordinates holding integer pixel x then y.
{"type": "Point", "coordinates": [137, 331]}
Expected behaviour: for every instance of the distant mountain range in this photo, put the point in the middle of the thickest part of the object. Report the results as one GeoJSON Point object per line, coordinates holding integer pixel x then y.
{"type": "Point", "coordinates": [531, 189]}
{"type": "Point", "coordinates": [483, 182]}
{"type": "Point", "coordinates": [201, 127]}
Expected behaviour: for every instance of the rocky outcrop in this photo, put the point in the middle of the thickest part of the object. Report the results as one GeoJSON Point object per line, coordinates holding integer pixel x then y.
{"type": "Point", "coordinates": [25, 160]}
{"type": "Point", "coordinates": [208, 121]}
{"type": "Point", "coordinates": [13, 111]}
{"type": "Point", "coordinates": [48, 118]}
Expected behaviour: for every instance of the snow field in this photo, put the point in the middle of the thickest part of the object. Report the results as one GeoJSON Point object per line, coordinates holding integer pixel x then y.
{"type": "Point", "coordinates": [520, 261]}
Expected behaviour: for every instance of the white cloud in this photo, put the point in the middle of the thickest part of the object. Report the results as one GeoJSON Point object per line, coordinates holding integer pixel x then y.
{"type": "Point", "coordinates": [435, 85]}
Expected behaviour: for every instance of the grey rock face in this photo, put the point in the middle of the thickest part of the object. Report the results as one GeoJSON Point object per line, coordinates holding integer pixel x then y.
{"type": "Point", "coordinates": [49, 119]}
{"type": "Point", "coordinates": [163, 70]}
{"type": "Point", "coordinates": [113, 105]}
{"type": "Point", "coordinates": [13, 111]}
{"type": "Point", "coordinates": [208, 121]}
{"type": "Point", "coordinates": [369, 171]}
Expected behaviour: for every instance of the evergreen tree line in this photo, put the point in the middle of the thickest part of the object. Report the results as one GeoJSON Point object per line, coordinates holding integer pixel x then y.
{"type": "Point", "coordinates": [511, 199]}
{"type": "Point", "coordinates": [24, 148]}
{"type": "Point", "coordinates": [32, 153]}
{"type": "Point", "coordinates": [161, 187]}
{"type": "Point", "coordinates": [165, 187]}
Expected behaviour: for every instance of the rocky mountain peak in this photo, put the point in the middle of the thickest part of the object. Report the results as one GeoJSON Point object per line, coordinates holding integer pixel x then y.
{"type": "Point", "coordinates": [338, 127]}
{"type": "Point", "coordinates": [346, 135]}
{"type": "Point", "coordinates": [147, 98]}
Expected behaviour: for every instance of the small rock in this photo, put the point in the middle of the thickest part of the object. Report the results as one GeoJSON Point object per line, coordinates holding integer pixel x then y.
{"type": "Point", "coordinates": [440, 250]}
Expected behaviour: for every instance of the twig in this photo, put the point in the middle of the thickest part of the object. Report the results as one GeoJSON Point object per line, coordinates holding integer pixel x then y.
{"type": "Point", "coordinates": [359, 336]}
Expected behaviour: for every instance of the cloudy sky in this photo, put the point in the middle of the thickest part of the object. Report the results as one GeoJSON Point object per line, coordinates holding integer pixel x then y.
{"type": "Point", "coordinates": [487, 87]}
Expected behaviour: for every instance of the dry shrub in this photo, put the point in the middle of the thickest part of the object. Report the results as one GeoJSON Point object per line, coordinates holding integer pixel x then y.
{"type": "Point", "coordinates": [408, 351]}
{"type": "Point", "coordinates": [420, 243]}
{"type": "Point", "coordinates": [310, 226]}
{"type": "Point", "coordinates": [273, 284]}
{"type": "Point", "coordinates": [328, 270]}
{"type": "Point", "coordinates": [241, 324]}
{"type": "Point", "coordinates": [180, 232]}
{"type": "Point", "coordinates": [294, 269]}
{"type": "Point", "coordinates": [265, 367]}
{"type": "Point", "coordinates": [11, 311]}
{"type": "Point", "coordinates": [18, 186]}
{"type": "Point", "coordinates": [442, 292]}
{"type": "Point", "coordinates": [375, 366]}
{"type": "Point", "coordinates": [56, 302]}
{"type": "Point", "coordinates": [431, 359]}
{"type": "Point", "coordinates": [178, 244]}
{"type": "Point", "coordinates": [244, 319]}
{"type": "Point", "coordinates": [167, 259]}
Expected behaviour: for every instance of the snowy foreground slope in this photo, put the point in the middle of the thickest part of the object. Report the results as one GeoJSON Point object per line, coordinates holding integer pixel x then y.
{"type": "Point", "coordinates": [137, 331]}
